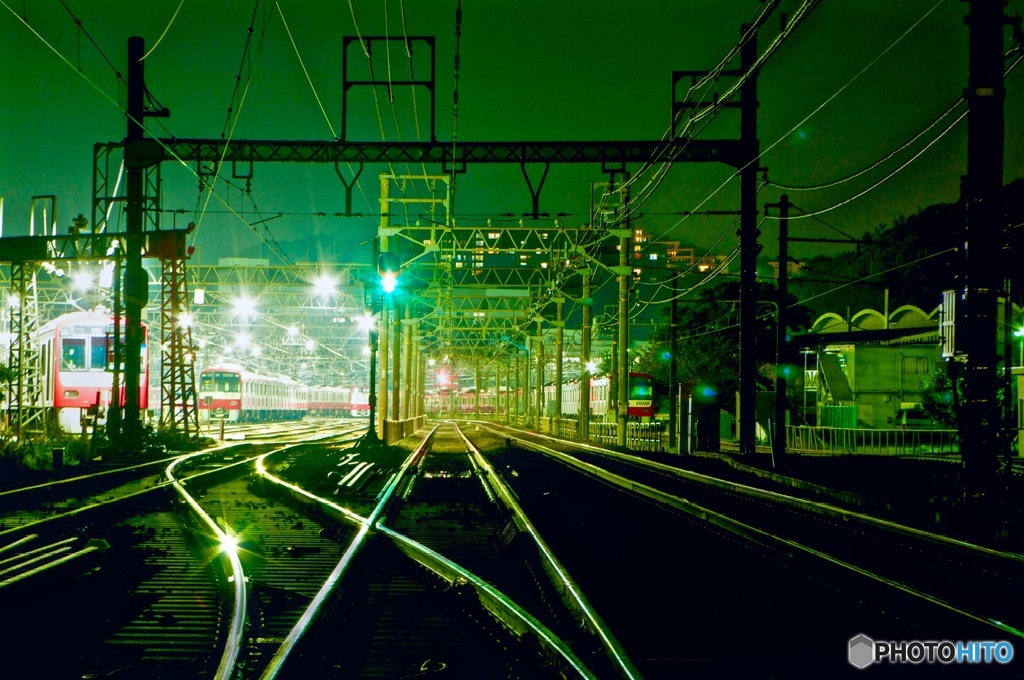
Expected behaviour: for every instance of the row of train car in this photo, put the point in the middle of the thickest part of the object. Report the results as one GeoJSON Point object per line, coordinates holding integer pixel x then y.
{"type": "Point", "coordinates": [77, 355]}
{"type": "Point", "coordinates": [639, 394]}
{"type": "Point", "coordinates": [233, 394]}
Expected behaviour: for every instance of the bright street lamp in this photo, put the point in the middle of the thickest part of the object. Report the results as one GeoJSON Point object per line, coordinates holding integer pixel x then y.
{"type": "Point", "coordinates": [244, 308]}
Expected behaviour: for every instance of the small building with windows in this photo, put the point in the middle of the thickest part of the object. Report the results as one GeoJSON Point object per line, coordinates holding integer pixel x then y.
{"type": "Point", "coordinates": [871, 369]}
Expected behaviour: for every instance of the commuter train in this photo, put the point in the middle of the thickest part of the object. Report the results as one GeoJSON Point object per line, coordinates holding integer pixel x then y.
{"type": "Point", "coordinates": [639, 396]}
{"type": "Point", "coordinates": [463, 402]}
{"type": "Point", "coordinates": [639, 391]}
{"type": "Point", "coordinates": [233, 394]}
{"type": "Point", "coordinates": [76, 353]}
{"type": "Point", "coordinates": [347, 402]}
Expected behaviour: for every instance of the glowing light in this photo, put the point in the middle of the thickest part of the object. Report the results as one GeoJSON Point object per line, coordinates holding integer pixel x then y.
{"type": "Point", "coordinates": [107, 275]}
{"type": "Point", "coordinates": [324, 286]}
{"type": "Point", "coordinates": [591, 367]}
{"type": "Point", "coordinates": [310, 345]}
{"type": "Point", "coordinates": [185, 320]}
{"type": "Point", "coordinates": [292, 331]}
{"type": "Point", "coordinates": [242, 340]}
{"type": "Point", "coordinates": [366, 322]}
{"type": "Point", "coordinates": [388, 282]}
{"type": "Point", "coordinates": [198, 296]}
{"type": "Point", "coordinates": [443, 378]}
{"type": "Point", "coordinates": [81, 280]}
{"type": "Point", "coordinates": [244, 308]}
{"type": "Point", "coordinates": [229, 544]}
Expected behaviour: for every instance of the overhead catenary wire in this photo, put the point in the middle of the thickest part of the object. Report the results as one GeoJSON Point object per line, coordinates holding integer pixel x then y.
{"type": "Point", "coordinates": [697, 115]}
{"type": "Point", "coordinates": [90, 81]}
{"type": "Point", "coordinates": [799, 16]}
{"type": "Point", "coordinates": [168, 27]}
{"type": "Point", "coordinates": [898, 169]}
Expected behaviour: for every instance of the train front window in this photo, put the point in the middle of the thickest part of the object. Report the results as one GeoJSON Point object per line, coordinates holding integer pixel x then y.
{"type": "Point", "coordinates": [639, 388]}
{"type": "Point", "coordinates": [219, 382]}
{"type": "Point", "coordinates": [72, 354]}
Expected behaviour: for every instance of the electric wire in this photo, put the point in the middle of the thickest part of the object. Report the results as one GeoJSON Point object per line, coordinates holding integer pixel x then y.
{"type": "Point", "coordinates": [79, 26]}
{"type": "Point", "coordinates": [167, 28]}
{"type": "Point", "coordinates": [709, 112]}
{"type": "Point", "coordinates": [899, 168]}
{"type": "Point", "coordinates": [89, 81]}
{"type": "Point", "coordinates": [231, 122]}
{"type": "Point", "coordinates": [305, 71]}
{"type": "Point", "coordinates": [878, 273]}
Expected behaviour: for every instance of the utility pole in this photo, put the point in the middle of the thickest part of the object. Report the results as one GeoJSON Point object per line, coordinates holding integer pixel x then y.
{"type": "Point", "coordinates": [979, 418]}
{"type": "Point", "coordinates": [588, 317]}
{"type": "Point", "coordinates": [749, 248]}
{"type": "Point", "coordinates": [779, 428]}
{"type": "Point", "coordinates": [136, 284]}
{"type": "Point", "coordinates": [370, 439]}
{"type": "Point", "coordinates": [624, 273]}
{"type": "Point", "coordinates": [673, 367]}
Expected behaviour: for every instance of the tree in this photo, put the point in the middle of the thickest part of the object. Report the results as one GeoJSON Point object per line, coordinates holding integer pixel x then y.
{"type": "Point", "coordinates": [914, 259]}
{"type": "Point", "coordinates": [709, 336]}
{"type": "Point", "coordinates": [941, 396]}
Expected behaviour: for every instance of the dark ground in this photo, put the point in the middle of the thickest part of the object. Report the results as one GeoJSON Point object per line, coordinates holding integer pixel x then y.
{"type": "Point", "coordinates": [927, 494]}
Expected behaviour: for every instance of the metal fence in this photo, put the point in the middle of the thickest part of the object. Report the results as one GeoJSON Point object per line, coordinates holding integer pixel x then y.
{"type": "Point", "coordinates": [857, 440]}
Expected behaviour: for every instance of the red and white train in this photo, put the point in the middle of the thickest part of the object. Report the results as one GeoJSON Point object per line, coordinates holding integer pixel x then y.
{"type": "Point", "coordinates": [76, 356]}
{"type": "Point", "coordinates": [232, 393]}
{"type": "Point", "coordinates": [339, 401]}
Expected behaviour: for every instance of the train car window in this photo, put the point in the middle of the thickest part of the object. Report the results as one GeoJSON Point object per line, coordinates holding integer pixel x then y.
{"type": "Point", "coordinates": [72, 354]}
{"type": "Point", "coordinates": [98, 353]}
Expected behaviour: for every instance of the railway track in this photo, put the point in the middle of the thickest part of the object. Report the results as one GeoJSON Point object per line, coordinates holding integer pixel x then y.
{"type": "Point", "coordinates": [467, 557]}
{"type": "Point", "coordinates": [876, 575]}
{"type": "Point", "coordinates": [228, 570]}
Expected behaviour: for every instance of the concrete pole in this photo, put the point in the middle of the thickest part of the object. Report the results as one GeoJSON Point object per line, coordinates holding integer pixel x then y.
{"type": "Point", "coordinates": [749, 249]}
{"type": "Point", "coordinates": [979, 422]}
{"type": "Point", "coordinates": [559, 359]}
{"type": "Point", "coordinates": [396, 371]}
{"type": "Point", "coordinates": [540, 375]}
{"type": "Point", "coordinates": [588, 321]}
{"type": "Point", "coordinates": [382, 335]}
{"type": "Point", "coordinates": [410, 382]}
{"type": "Point", "coordinates": [622, 361]}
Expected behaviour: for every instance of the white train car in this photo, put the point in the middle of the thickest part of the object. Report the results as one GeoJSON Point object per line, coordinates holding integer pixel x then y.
{"type": "Point", "coordinates": [234, 394]}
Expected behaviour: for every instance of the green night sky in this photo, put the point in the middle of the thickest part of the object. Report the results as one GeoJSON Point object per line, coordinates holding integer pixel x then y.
{"type": "Point", "coordinates": [853, 81]}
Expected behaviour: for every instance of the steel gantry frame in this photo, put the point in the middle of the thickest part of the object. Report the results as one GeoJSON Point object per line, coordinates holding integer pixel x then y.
{"type": "Point", "coordinates": [27, 254]}
{"type": "Point", "coordinates": [144, 154]}
{"type": "Point", "coordinates": [289, 313]}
